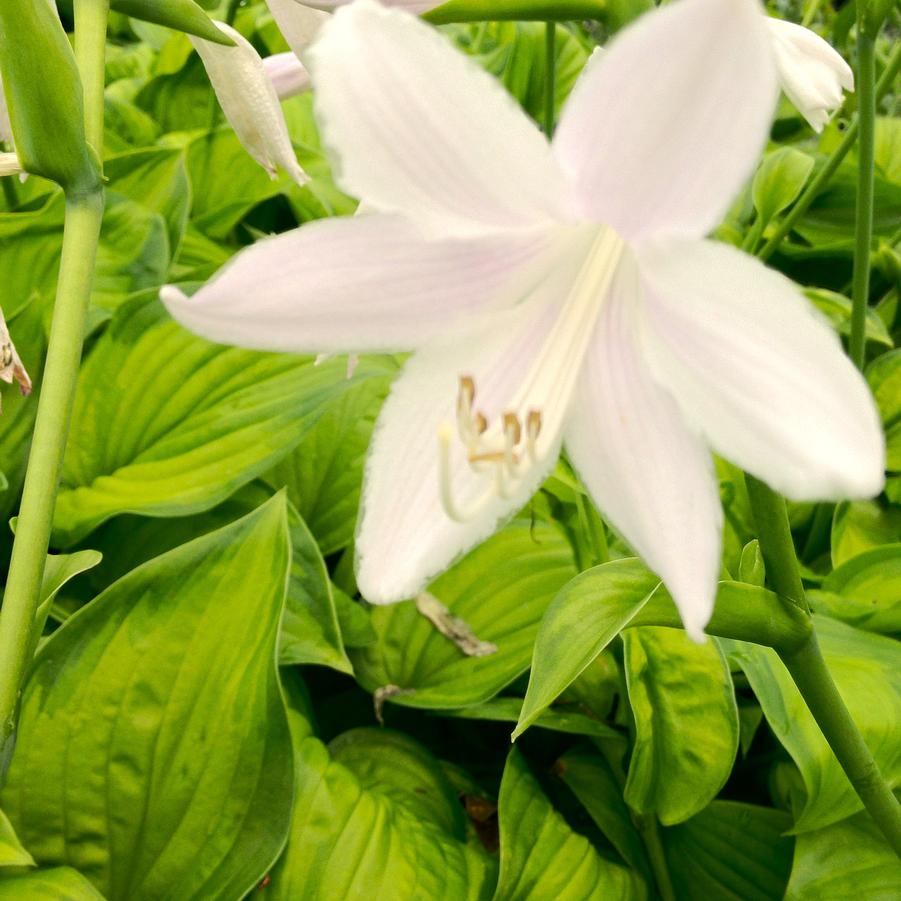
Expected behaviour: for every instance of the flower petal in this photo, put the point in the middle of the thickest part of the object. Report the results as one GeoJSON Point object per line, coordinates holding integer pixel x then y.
{"type": "Point", "coordinates": [249, 102]}
{"type": "Point", "coordinates": [298, 23]}
{"type": "Point", "coordinates": [354, 284]}
{"type": "Point", "coordinates": [418, 128]}
{"type": "Point", "coordinates": [651, 476]}
{"type": "Point", "coordinates": [405, 536]}
{"type": "Point", "coordinates": [811, 72]}
{"type": "Point", "coordinates": [759, 371]}
{"type": "Point", "coordinates": [287, 74]}
{"type": "Point", "coordinates": [667, 152]}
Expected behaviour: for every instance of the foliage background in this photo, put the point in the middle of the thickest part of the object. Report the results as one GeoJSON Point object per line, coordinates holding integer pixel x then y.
{"type": "Point", "coordinates": [182, 738]}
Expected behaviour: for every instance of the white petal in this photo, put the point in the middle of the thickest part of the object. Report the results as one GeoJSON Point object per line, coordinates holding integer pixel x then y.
{"type": "Point", "coordinates": [297, 22]}
{"type": "Point", "coordinates": [760, 371]}
{"type": "Point", "coordinates": [662, 131]}
{"type": "Point", "coordinates": [418, 128]}
{"type": "Point", "coordinates": [651, 476]}
{"type": "Point", "coordinates": [811, 72]}
{"type": "Point", "coordinates": [354, 284]}
{"type": "Point", "coordinates": [287, 74]}
{"type": "Point", "coordinates": [249, 102]}
{"type": "Point", "coordinates": [405, 536]}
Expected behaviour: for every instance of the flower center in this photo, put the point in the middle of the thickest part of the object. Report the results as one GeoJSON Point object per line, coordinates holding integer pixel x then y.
{"type": "Point", "coordinates": [505, 451]}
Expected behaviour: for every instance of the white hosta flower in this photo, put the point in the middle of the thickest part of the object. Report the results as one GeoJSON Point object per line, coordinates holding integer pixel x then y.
{"type": "Point", "coordinates": [555, 294]}
{"type": "Point", "coordinates": [250, 102]}
{"type": "Point", "coordinates": [811, 72]}
{"type": "Point", "coordinates": [288, 74]}
{"type": "Point", "coordinates": [11, 366]}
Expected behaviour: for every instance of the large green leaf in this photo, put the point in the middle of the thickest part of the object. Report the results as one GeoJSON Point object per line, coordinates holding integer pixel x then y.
{"type": "Point", "coordinates": [730, 851]}
{"type": "Point", "coordinates": [592, 780]}
{"type": "Point", "coordinates": [153, 751]}
{"type": "Point", "coordinates": [884, 376]}
{"type": "Point", "coordinates": [779, 181]}
{"type": "Point", "coordinates": [867, 671]}
{"type": "Point", "coordinates": [374, 820]}
{"type": "Point", "coordinates": [865, 591]}
{"type": "Point", "coordinates": [860, 526]}
{"type": "Point", "coordinates": [850, 859]}
{"type": "Point", "coordinates": [686, 722]}
{"type": "Point", "coordinates": [325, 472]}
{"type": "Point", "coordinates": [167, 424]}
{"type": "Point", "coordinates": [542, 857]}
{"type": "Point", "coordinates": [580, 622]}
{"type": "Point", "coordinates": [58, 884]}
{"type": "Point", "coordinates": [501, 591]}
{"type": "Point", "coordinates": [133, 252]}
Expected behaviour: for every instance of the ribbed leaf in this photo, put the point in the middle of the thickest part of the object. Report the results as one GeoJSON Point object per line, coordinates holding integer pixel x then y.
{"type": "Point", "coordinates": [541, 856]}
{"type": "Point", "coordinates": [730, 851]}
{"type": "Point", "coordinates": [58, 884]}
{"type": "Point", "coordinates": [167, 424]}
{"type": "Point", "coordinates": [500, 591]}
{"type": "Point", "coordinates": [153, 751]}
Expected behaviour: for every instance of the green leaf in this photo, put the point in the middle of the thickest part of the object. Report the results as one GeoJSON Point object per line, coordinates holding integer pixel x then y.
{"type": "Point", "coordinates": [730, 851]}
{"type": "Point", "coordinates": [167, 424]}
{"type": "Point", "coordinates": [580, 622]}
{"type": "Point", "coordinates": [686, 722]}
{"type": "Point", "coordinates": [850, 859]}
{"type": "Point", "coordinates": [865, 591]}
{"type": "Point", "coordinates": [58, 570]}
{"type": "Point", "coordinates": [508, 710]}
{"type": "Point", "coordinates": [837, 309]}
{"type": "Point", "coordinates": [182, 15]}
{"type": "Point", "coordinates": [324, 474]}
{"type": "Point", "coordinates": [884, 376]}
{"type": "Point", "coordinates": [12, 852]}
{"type": "Point", "coordinates": [155, 178]}
{"type": "Point", "coordinates": [500, 590]}
{"type": "Point", "coordinates": [590, 778]}
{"type": "Point", "coordinates": [779, 180]}
{"type": "Point", "coordinates": [59, 884]}
{"type": "Point", "coordinates": [867, 671]}
{"type": "Point", "coordinates": [376, 828]}
{"type": "Point", "coordinates": [541, 856]}
{"type": "Point", "coordinates": [888, 147]}
{"type": "Point", "coordinates": [394, 765]}
{"type": "Point", "coordinates": [310, 629]}
{"type": "Point", "coordinates": [44, 95]}
{"type": "Point", "coordinates": [860, 526]}
{"type": "Point", "coordinates": [153, 751]}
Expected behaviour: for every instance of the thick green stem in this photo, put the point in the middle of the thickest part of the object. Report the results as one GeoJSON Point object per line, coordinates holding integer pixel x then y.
{"type": "Point", "coordinates": [90, 52]}
{"type": "Point", "coordinates": [776, 545]}
{"type": "Point", "coordinates": [814, 681]}
{"type": "Point", "coordinates": [516, 10]}
{"type": "Point", "coordinates": [84, 212]}
{"type": "Point", "coordinates": [550, 84]}
{"type": "Point", "coordinates": [20, 600]}
{"type": "Point", "coordinates": [866, 117]}
{"type": "Point", "coordinates": [822, 178]}
{"type": "Point", "coordinates": [808, 669]}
